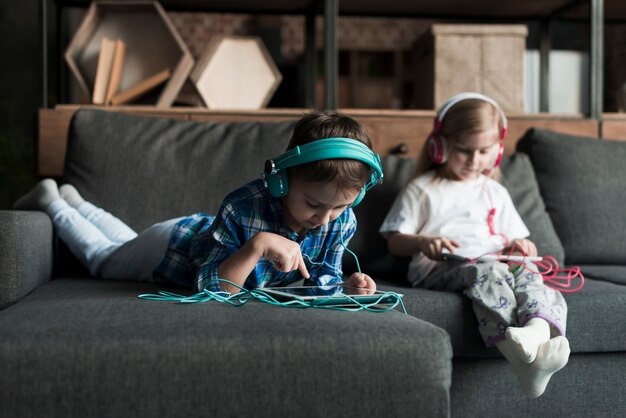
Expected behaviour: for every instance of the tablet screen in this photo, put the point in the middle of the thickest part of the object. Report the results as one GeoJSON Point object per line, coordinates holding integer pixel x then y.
{"type": "Point", "coordinates": [331, 294]}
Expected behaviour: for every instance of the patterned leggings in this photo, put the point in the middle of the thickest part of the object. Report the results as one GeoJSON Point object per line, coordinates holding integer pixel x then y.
{"type": "Point", "coordinates": [500, 298]}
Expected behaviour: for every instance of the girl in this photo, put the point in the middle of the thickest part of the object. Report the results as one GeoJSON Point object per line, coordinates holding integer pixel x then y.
{"type": "Point", "coordinates": [454, 208]}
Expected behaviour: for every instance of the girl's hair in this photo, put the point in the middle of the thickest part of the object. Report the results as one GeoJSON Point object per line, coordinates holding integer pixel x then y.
{"type": "Point", "coordinates": [315, 125]}
{"type": "Point", "coordinates": [467, 116]}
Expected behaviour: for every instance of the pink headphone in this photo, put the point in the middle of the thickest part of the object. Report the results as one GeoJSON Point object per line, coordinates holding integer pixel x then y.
{"type": "Point", "coordinates": [437, 146]}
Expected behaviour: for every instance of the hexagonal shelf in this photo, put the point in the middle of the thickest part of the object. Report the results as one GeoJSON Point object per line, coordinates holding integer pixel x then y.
{"type": "Point", "coordinates": [152, 45]}
{"type": "Point", "coordinates": [236, 72]}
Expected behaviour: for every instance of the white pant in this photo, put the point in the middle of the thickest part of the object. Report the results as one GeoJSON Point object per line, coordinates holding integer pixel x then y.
{"type": "Point", "coordinates": [107, 246]}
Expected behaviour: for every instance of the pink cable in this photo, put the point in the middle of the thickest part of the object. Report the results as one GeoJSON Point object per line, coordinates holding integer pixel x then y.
{"type": "Point", "coordinates": [554, 277]}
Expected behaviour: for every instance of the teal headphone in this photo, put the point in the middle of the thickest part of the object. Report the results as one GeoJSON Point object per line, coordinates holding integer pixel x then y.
{"type": "Point", "coordinates": [275, 176]}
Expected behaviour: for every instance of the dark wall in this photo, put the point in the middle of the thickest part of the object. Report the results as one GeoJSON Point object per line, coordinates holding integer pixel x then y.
{"type": "Point", "coordinates": [20, 96]}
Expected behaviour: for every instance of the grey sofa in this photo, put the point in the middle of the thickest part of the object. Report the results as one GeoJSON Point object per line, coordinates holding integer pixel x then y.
{"type": "Point", "coordinates": [71, 345]}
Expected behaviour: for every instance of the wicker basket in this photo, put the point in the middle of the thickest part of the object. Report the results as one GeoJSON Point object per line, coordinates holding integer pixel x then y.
{"type": "Point", "coordinates": [488, 59]}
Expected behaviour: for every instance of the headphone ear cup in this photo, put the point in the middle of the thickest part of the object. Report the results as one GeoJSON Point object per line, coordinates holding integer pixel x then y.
{"type": "Point", "coordinates": [437, 149]}
{"type": "Point", "coordinates": [498, 153]}
{"type": "Point", "coordinates": [277, 184]}
{"type": "Point", "coordinates": [359, 197]}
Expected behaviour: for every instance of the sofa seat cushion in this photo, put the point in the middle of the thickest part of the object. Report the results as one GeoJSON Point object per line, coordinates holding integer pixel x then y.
{"type": "Point", "coordinates": [595, 320]}
{"type": "Point", "coordinates": [582, 183]}
{"type": "Point", "coordinates": [76, 345]}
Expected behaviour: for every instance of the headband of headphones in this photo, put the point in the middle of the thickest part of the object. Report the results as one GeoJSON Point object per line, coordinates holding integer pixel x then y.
{"type": "Point", "coordinates": [322, 149]}
{"type": "Point", "coordinates": [467, 96]}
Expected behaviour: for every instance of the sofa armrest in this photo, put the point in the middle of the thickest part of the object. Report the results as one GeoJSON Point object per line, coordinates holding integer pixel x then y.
{"type": "Point", "coordinates": [26, 253]}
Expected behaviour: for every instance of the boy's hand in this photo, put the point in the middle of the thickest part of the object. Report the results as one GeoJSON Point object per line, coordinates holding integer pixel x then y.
{"type": "Point", "coordinates": [284, 253]}
{"type": "Point", "coordinates": [433, 247]}
{"type": "Point", "coordinates": [363, 281]}
{"type": "Point", "coordinates": [521, 246]}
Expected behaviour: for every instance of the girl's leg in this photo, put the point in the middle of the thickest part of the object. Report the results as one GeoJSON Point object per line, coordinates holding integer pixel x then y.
{"type": "Point", "coordinates": [114, 229]}
{"type": "Point", "coordinates": [542, 313]}
{"type": "Point", "coordinates": [523, 309]}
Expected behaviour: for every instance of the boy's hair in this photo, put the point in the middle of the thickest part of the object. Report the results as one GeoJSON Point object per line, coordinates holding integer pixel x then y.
{"type": "Point", "coordinates": [467, 116]}
{"type": "Point", "coordinates": [316, 125]}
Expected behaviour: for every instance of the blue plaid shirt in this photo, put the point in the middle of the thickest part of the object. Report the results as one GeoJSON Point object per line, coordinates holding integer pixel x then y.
{"type": "Point", "coordinates": [200, 243]}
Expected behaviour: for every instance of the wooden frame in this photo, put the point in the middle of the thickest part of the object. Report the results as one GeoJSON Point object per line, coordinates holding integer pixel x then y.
{"type": "Point", "coordinates": [153, 44]}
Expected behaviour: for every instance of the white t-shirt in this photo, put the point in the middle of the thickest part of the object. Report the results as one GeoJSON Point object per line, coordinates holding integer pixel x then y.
{"type": "Point", "coordinates": [434, 206]}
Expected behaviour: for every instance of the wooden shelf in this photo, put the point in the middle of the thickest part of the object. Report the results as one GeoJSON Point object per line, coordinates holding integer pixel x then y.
{"type": "Point", "coordinates": [152, 45]}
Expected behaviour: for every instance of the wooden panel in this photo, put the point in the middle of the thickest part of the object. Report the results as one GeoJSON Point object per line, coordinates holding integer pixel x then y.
{"type": "Point", "coordinates": [519, 125]}
{"type": "Point", "coordinates": [614, 126]}
{"type": "Point", "coordinates": [52, 141]}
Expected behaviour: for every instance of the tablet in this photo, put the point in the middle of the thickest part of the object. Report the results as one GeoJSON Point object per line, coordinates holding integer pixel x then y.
{"type": "Point", "coordinates": [492, 257]}
{"type": "Point", "coordinates": [336, 294]}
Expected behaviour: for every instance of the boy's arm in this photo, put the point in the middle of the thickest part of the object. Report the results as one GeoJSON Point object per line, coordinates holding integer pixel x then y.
{"type": "Point", "coordinates": [284, 253]}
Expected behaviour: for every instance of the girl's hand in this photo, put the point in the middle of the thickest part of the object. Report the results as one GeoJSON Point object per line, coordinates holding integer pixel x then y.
{"type": "Point", "coordinates": [521, 246]}
{"type": "Point", "coordinates": [363, 281]}
{"type": "Point", "coordinates": [284, 253]}
{"type": "Point", "coordinates": [433, 247]}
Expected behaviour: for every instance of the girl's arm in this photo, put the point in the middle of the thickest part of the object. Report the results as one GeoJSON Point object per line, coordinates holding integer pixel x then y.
{"type": "Point", "coordinates": [521, 245]}
{"type": "Point", "coordinates": [406, 245]}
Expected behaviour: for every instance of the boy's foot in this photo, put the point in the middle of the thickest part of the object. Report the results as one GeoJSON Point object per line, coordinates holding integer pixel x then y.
{"type": "Point", "coordinates": [44, 193]}
{"type": "Point", "coordinates": [526, 340]}
{"type": "Point", "coordinates": [551, 357]}
{"type": "Point", "coordinates": [71, 195]}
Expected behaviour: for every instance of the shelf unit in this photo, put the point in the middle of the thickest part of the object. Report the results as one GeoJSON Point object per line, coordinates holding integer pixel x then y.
{"type": "Point", "coordinates": [543, 11]}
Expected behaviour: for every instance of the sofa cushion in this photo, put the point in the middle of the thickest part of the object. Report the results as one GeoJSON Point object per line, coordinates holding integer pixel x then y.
{"type": "Point", "coordinates": [519, 179]}
{"type": "Point", "coordinates": [92, 345]}
{"type": "Point", "coordinates": [611, 273]}
{"type": "Point", "coordinates": [595, 318]}
{"type": "Point", "coordinates": [582, 183]}
{"type": "Point", "coordinates": [146, 170]}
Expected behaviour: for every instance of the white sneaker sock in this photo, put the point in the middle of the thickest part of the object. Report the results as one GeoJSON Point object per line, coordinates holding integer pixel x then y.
{"type": "Point", "coordinates": [71, 195]}
{"type": "Point", "coordinates": [526, 340]}
{"type": "Point", "coordinates": [552, 356]}
{"type": "Point", "coordinates": [44, 193]}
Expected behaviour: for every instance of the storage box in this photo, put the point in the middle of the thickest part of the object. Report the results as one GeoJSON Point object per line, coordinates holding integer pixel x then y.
{"type": "Point", "coordinates": [152, 45]}
{"type": "Point", "coordinates": [488, 59]}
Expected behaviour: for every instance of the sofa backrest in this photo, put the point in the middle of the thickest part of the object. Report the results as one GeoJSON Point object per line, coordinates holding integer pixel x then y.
{"type": "Point", "coordinates": [146, 170]}
{"type": "Point", "coordinates": [582, 183]}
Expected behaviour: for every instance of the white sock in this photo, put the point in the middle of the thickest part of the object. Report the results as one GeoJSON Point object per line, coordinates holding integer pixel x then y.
{"type": "Point", "coordinates": [44, 193]}
{"type": "Point", "coordinates": [526, 340]}
{"type": "Point", "coordinates": [71, 195]}
{"type": "Point", "coordinates": [552, 356]}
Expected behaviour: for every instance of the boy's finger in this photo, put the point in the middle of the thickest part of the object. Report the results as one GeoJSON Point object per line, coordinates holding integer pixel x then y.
{"type": "Point", "coordinates": [302, 268]}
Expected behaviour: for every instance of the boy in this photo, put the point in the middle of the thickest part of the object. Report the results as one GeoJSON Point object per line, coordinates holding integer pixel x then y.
{"type": "Point", "coordinates": [294, 227]}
